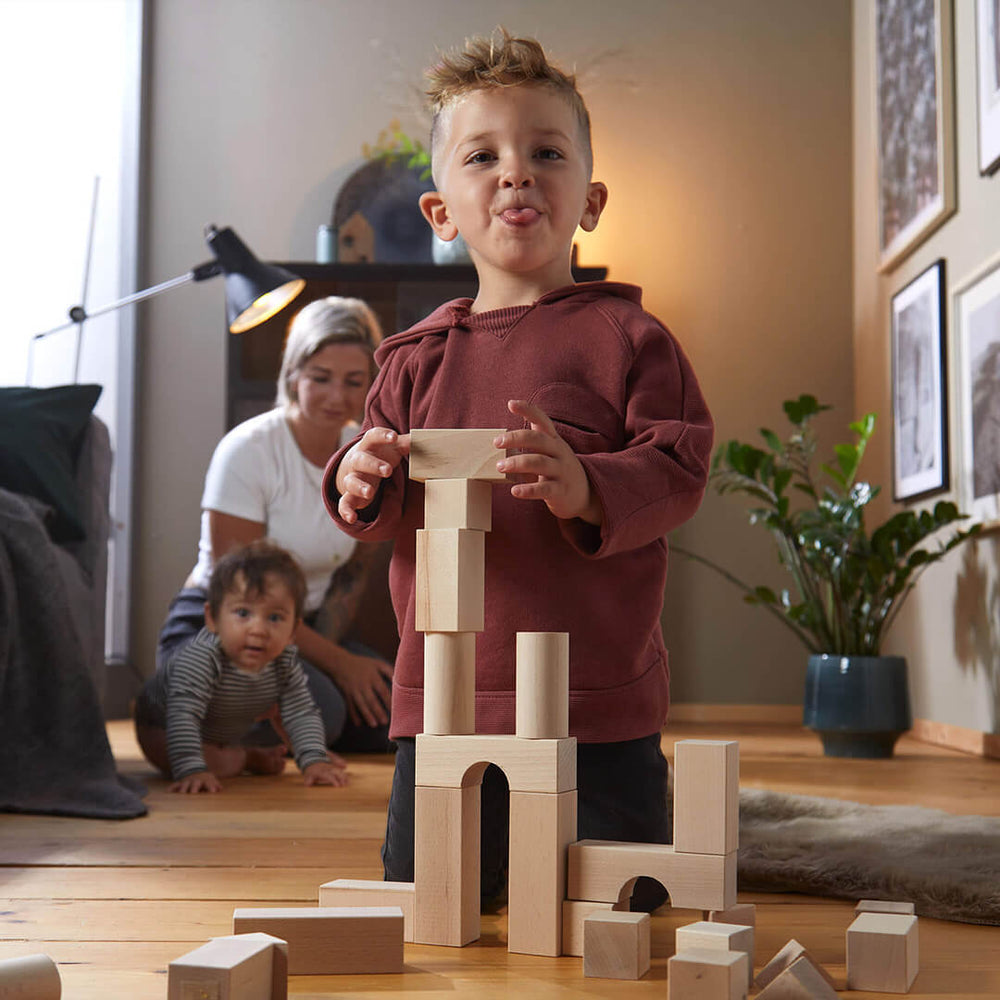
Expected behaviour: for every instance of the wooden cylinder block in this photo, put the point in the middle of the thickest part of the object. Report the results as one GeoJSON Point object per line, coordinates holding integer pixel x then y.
{"type": "Point", "coordinates": [542, 685]}
{"type": "Point", "coordinates": [450, 683]}
{"type": "Point", "coordinates": [34, 977]}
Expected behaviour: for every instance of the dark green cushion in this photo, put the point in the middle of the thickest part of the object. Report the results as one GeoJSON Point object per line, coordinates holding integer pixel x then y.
{"type": "Point", "coordinates": [41, 431]}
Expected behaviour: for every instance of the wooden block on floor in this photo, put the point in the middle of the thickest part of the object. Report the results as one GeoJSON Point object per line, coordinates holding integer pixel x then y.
{"type": "Point", "coordinates": [450, 683]}
{"type": "Point", "coordinates": [616, 945]}
{"type": "Point", "coordinates": [529, 765]}
{"type": "Point", "coordinates": [234, 967]}
{"type": "Point", "coordinates": [802, 980]}
{"type": "Point", "coordinates": [542, 826]}
{"type": "Point", "coordinates": [706, 796]}
{"type": "Point", "coordinates": [707, 975]}
{"type": "Point", "coordinates": [741, 913]}
{"type": "Point", "coordinates": [601, 870]}
{"type": "Point", "coordinates": [446, 864]}
{"type": "Point", "coordinates": [574, 912]}
{"type": "Point", "coordinates": [450, 580]}
{"type": "Point", "coordinates": [31, 977]}
{"type": "Point", "coordinates": [790, 953]}
{"type": "Point", "coordinates": [331, 940]}
{"type": "Point", "coordinates": [884, 906]}
{"type": "Point", "coordinates": [882, 952]}
{"type": "Point", "coordinates": [458, 503]}
{"type": "Point", "coordinates": [542, 685]}
{"type": "Point", "coordinates": [360, 892]}
{"type": "Point", "coordinates": [445, 453]}
{"type": "Point", "coordinates": [717, 936]}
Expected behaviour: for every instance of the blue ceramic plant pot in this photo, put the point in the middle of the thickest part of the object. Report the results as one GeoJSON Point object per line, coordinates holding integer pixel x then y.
{"type": "Point", "coordinates": [858, 705]}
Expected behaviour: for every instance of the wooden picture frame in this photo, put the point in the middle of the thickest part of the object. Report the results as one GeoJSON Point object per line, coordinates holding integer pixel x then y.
{"type": "Point", "coordinates": [915, 122]}
{"type": "Point", "coordinates": [919, 386]}
{"type": "Point", "coordinates": [988, 83]}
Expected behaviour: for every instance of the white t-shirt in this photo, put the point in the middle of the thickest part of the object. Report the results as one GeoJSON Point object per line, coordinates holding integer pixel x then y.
{"type": "Point", "coordinates": [258, 473]}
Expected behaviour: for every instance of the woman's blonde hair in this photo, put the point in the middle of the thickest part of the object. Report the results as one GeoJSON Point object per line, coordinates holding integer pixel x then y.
{"type": "Point", "coordinates": [333, 320]}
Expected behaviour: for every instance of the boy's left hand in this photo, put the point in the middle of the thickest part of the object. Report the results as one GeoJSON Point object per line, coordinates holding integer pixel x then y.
{"type": "Point", "coordinates": [332, 771]}
{"type": "Point", "coordinates": [553, 473]}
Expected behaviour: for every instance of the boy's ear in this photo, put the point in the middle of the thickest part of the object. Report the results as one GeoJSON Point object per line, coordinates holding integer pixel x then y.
{"type": "Point", "coordinates": [436, 213]}
{"type": "Point", "coordinates": [209, 618]}
{"type": "Point", "coordinates": [597, 198]}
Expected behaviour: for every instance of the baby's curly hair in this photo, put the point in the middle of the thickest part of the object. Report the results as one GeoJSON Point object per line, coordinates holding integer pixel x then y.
{"type": "Point", "coordinates": [489, 61]}
{"type": "Point", "coordinates": [249, 570]}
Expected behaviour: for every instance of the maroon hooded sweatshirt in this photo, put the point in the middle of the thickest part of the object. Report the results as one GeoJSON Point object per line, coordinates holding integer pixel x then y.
{"type": "Point", "coordinates": [621, 392]}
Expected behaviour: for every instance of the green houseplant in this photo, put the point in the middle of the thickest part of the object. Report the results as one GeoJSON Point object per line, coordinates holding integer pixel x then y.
{"type": "Point", "coordinates": [847, 584]}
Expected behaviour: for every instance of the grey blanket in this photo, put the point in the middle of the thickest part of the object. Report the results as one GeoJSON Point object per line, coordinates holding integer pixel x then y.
{"type": "Point", "coordinates": [54, 752]}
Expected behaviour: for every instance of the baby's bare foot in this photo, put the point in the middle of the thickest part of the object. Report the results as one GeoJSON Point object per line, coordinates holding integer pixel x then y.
{"type": "Point", "coordinates": [265, 760]}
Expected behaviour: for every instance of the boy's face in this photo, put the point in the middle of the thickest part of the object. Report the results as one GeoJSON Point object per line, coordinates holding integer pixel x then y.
{"type": "Point", "coordinates": [513, 174]}
{"type": "Point", "coordinates": [254, 630]}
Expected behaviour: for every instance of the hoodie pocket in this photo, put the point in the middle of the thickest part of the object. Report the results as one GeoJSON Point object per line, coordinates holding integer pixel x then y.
{"type": "Point", "coordinates": [587, 421]}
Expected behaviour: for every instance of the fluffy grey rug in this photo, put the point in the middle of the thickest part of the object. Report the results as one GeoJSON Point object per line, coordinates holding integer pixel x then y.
{"type": "Point", "coordinates": [947, 865]}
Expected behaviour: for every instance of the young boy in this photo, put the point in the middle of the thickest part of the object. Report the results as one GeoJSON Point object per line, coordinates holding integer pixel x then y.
{"type": "Point", "coordinates": [613, 452]}
{"type": "Point", "coordinates": [193, 715]}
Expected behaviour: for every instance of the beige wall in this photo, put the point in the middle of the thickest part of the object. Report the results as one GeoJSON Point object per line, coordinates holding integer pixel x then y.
{"type": "Point", "coordinates": [723, 129]}
{"type": "Point", "coordinates": [951, 643]}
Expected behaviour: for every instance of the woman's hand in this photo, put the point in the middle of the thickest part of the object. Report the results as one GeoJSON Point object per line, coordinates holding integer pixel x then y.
{"type": "Point", "coordinates": [201, 781]}
{"type": "Point", "coordinates": [364, 682]}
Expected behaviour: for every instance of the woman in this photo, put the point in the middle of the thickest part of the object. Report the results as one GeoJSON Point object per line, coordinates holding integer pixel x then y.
{"type": "Point", "coordinates": [265, 480]}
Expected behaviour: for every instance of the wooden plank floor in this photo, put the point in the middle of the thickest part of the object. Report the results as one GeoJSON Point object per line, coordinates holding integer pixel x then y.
{"type": "Point", "coordinates": [113, 902]}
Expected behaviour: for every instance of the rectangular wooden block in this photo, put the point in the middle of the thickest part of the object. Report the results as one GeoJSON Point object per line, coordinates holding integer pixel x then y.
{"type": "Point", "coordinates": [717, 936]}
{"type": "Point", "coordinates": [451, 580]}
{"type": "Point", "coordinates": [574, 912]}
{"type": "Point", "coordinates": [707, 975]}
{"type": "Point", "coordinates": [237, 967]}
{"type": "Point", "coordinates": [529, 765]}
{"type": "Point", "coordinates": [360, 892]}
{"type": "Point", "coordinates": [802, 980]}
{"type": "Point", "coordinates": [616, 945]}
{"type": "Point", "coordinates": [706, 796]}
{"type": "Point", "coordinates": [450, 683]}
{"type": "Point", "coordinates": [444, 453]}
{"type": "Point", "coordinates": [882, 952]}
{"type": "Point", "coordinates": [542, 826]}
{"type": "Point", "coordinates": [542, 686]}
{"type": "Point", "coordinates": [783, 959]}
{"type": "Point", "coordinates": [331, 940]}
{"type": "Point", "coordinates": [884, 906]}
{"type": "Point", "coordinates": [741, 913]}
{"type": "Point", "coordinates": [446, 864]}
{"type": "Point", "coordinates": [458, 503]}
{"type": "Point", "coordinates": [601, 870]}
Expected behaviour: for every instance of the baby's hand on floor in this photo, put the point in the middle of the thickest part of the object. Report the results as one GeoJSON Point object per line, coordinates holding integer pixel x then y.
{"type": "Point", "coordinates": [327, 772]}
{"type": "Point", "coordinates": [200, 781]}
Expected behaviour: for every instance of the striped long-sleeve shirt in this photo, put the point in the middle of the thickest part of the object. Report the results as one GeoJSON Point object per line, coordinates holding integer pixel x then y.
{"type": "Point", "coordinates": [207, 699]}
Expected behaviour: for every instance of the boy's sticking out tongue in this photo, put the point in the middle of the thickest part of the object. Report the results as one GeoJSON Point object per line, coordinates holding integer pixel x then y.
{"type": "Point", "coordinates": [519, 216]}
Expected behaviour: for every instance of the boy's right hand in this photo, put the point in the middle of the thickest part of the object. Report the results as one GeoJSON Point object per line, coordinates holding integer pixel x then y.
{"type": "Point", "coordinates": [201, 781]}
{"type": "Point", "coordinates": [365, 465]}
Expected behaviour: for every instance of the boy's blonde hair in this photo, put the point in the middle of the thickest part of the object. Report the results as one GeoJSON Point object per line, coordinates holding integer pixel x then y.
{"type": "Point", "coordinates": [488, 62]}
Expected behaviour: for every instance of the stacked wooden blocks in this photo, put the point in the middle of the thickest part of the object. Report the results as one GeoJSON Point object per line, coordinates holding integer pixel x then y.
{"type": "Point", "coordinates": [882, 952]}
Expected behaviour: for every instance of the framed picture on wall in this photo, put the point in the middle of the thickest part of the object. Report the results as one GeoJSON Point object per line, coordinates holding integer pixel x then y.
{"type": "Point", "coordinates": [915, 122]}
{"type": "Point", "coordinates": [919, 394]}
{"type": "Point", "coordinates": [988, 59]}
{"type": "Point", "coordinates": [977, 331]}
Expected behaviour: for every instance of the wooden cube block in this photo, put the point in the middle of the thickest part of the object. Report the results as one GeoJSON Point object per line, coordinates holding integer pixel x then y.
{"type": "Point", "coordinates": [882, 952]}
{"type": "Point", "coordinates": [542, 826]}
{"type": "Point", "coordinates": [458, 503]}
{"type": "Point", "coordinates": [884, 906]}
{"type": "Point", "coordinates": [446, 864]}
{"type": "Point", "coordinates": [706, 796]}
{"type": "Point", "coordinates": [741, 913]}
{"type": "Point", "coordinates": [707, 975]}
{"type": "Point", "coordinates": [359, 892]}
{"type": "Point", "coordinates": [802, 980]}
{"type": "Point", "coordinates": [237, 967]}
{"type": "Point", "coordinates": [574, 912]}
{"type": "Point", "coordinates": [616, 945]}
{"type": "Point", "coordinates": [444, 453]}
{"type": "Point", "coordinates": [529, 765]}
{"type": "Point", "coordinates": [605, 871]}
{"type": "Point", "coordinates": [450, 683]}
{"type": "Point", "coordinates": [717, 936]}
{"type": "Point", "coordinates": [331, 940]}
{"type": "Point", "coordinates": [450, 580]}
{"type": "Point", "coordinates": [31, 977]}
{"type": "Point", "coordinates": [783, 959]}
{"type": "Point", "coordinates": [542, 685]}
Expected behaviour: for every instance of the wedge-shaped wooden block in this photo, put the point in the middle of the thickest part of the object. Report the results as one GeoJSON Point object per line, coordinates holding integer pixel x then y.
{"type": "Point", "coordinates": [458, 503]}
{"type": "Point", "coordinates": [542, 826]}
{"type": "Point", "coordinates": [542, 710]}
{"type": "Point", "coordinates": [574, 912]}
{"type": "Point", "coordinates": [31, 977]}
{"type": "Point", "coordinates": [616, 945]}
{"type": "Point", "coordinates": [359, 892]}
{"type": "Point", "coordinates": [450, 584]}
{"type": "Point", "coordinates": [882, 952]}
{"type": "Point", "coordinates": [706, 796]}
{"type": "Point", "coordinates": [802, 980]}
{"type": "Point", "coordinates": [707, 975]}
{"type": "Point", "coordinates": [446, 864]}
{"type": "Point", "coordinates": [741, 913]}
{"type": "Point", "coordinates": [450, 683]}
{"type": "Point", "coordinates": [884, 906]}
{"type": "Point", "coordinates": [717, 936]}
{"type": "Point", "coordinates": [529, 765]}
{"type": "Point", "coordinates": [237, 967]}
{"type": "Point", "coordinates": [783, 959]}
{"type": "Point", "coordinates": [601, 869]}
{"type": "Point", "coordinates": [331, 940]}
{"type": "Point", "coordinates": [443, 453]}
